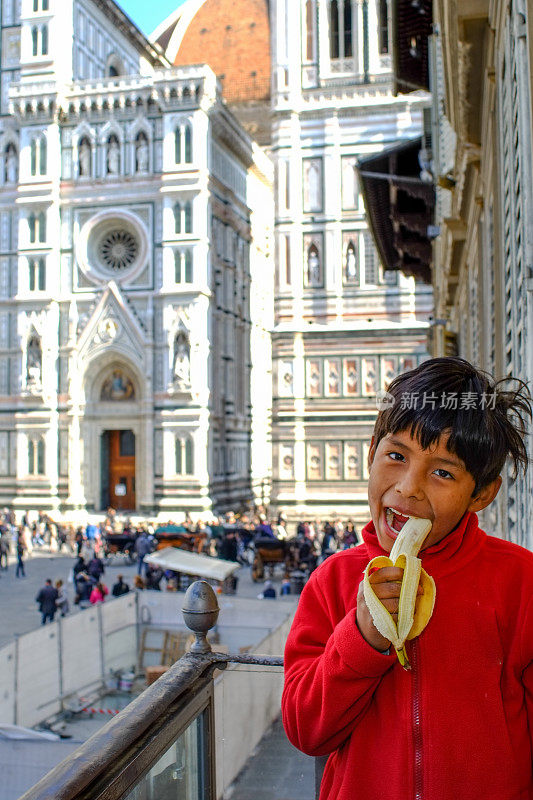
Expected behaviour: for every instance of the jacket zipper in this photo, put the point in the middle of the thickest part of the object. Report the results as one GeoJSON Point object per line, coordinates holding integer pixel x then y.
{"type": "Point", "coordinates": [417, 722]}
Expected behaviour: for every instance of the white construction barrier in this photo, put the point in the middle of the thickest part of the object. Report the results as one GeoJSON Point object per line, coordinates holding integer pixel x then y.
{"type": "Point", "coordinates": [74, 655]}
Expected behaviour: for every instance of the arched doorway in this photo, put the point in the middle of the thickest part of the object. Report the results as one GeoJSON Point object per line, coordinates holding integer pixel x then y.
{"type": "Point", "coordinates": [114, 435]}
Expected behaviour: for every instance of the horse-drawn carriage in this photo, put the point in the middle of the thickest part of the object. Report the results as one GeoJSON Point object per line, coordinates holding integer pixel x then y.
{"type": "Point", "coordinates": [293, 554]}
{"type": "Point", "coordinates": [177, 536]}
{"type": "Point", "coordinates": [122, 544]}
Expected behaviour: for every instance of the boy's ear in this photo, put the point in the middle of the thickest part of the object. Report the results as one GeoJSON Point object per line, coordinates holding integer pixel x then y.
{"type": "Point", "coordinates": [485, 497]}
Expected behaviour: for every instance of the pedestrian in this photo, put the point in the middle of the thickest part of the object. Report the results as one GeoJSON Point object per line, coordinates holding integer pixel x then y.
{"type": "Point", "coordinates": [143, 546]}
{"type": "Point", "coordinates": [84, 587]}
{"type": "Point", "coordinates": [21, 549]}
{"type": "Point", "coordinates": [395, 729]}
{"type": "Point", "coordinates": [99, 593]}
{"type": "Point", "coordinates": [95, 568]}
{"type": "Point", "coordinates": [47, 599]}
{"type": "Point", "coordinates": [120, 587]}
{"type": "Point", "coordinates": [62, 600]}
{"type": "Point", "coordinates": [285, 586]}
{"type": "Point", "coordinates": [79, 539]}
{"type": "Point", "coordinates": [4, 550]}
{"type": "Point", "coordinates": [154, 576]}
{"type": "Point", "coordinates": [268, 593]}
{"type": "Point", "coordinates": [79, 566]}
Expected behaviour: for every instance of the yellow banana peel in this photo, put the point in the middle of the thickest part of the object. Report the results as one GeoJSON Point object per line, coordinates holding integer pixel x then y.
{"type": "Point", "coordinates": [412, 616]}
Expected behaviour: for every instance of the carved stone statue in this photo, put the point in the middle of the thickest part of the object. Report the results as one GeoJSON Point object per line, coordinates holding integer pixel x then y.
{"type": "Point", "coordinates": [11, 164]}
{"type": "Point", "coordinates": [141, 154]}
{"type": "Point", "coordinates": [85, 158]}
{"type": "Point", "coordinates": [33, 364]}
{"type": "Point", "coordinates": [313, 268]}
{"type": "Point", "coordinates": [113, 157]}
{"type": "Point", "coordinates": [182, 362]}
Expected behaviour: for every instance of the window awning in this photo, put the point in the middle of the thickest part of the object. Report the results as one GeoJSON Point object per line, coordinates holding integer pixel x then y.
{"type": "Point", "coordinates": [411, 27]}
{"type": "Point", "coordinates": [400, 208]}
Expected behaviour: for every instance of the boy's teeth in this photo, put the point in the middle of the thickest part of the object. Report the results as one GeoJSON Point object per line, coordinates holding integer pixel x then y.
{"type": "Point", "coordinates": [393, 516]}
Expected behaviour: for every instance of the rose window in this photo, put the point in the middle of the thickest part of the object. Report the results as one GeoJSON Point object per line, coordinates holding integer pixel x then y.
{"type": "Point", "coordinates": [118, 249]}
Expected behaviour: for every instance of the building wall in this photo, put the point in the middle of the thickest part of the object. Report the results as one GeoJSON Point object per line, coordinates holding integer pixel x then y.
{"type": "Point", "coordinates": [109, 279]}
{"type": "Point", "coordinates": [483, 149]}
{"type": "Point", "coordinates": [343, 326]}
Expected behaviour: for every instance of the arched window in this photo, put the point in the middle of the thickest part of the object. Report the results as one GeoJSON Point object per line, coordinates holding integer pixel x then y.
{"type": "Point", "coordinates": [38, 155]}
{"type": "Point", "coordinates": [37, 274]}
{"type": "Point", "coordinates": [184, 456]}
{"type": "Point", "coordinates": [36, 5]}
{"type": "Point", "coordinates": [112, 71]}
{"type": "Point", "coordinates": [44, 40]}
{"type": "Point", "coordinates": [177, 146]}
{"type": "Point", "coordinates": [42, 226]}
{"type": "Point", "coordinates": [188, 217]}
{"type": "Point", "coordinates": [40, 457]}
{"type": "Point", "coordinates": [340, 29]}
{"type": "Point", "coordinates": [39, 40]}
{"type": "Point", "coordinates": [177, 218]}
{"type": "Point", "coordinates": [36, 456]}
{"type": "Point", "coordinates": [45, 5]}
{"type": "Point", "coordinates": [310, 30]}
{"type": "Point", "coordinates": [188, 266]}
{"type": "Point", "coordinates": [183, 266]}
{"type": "Point", "coordinates": [42, 156]}
{"type": "Point", "coordinates": [188, 144]}
{"type": "Point", "coordinates": [188, 457]}
{"type": "Point", "coordinates": [32, 226]}
{"type": "Point", "coordinates": [37, 227]}
{"type": "Point", "coordinates": [334, 49]}
{"type": "Point", "coordinates": [383, 27]}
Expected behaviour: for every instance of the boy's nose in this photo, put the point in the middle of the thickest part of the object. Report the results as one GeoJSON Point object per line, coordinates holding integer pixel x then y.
{"type": "Point", "coordinates": [410, 485]}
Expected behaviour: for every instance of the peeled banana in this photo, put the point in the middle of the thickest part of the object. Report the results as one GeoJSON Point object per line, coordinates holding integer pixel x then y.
{"type": "Point", "coordinates": [403, 555]}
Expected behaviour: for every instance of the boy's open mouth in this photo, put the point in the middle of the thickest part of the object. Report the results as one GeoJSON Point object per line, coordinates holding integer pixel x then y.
{"type": "Point", "coordinates": [395, 520]}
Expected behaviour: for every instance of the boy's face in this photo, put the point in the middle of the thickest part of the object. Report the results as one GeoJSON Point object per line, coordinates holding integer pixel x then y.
{"type": "Point", "coordinates": [433, 484]}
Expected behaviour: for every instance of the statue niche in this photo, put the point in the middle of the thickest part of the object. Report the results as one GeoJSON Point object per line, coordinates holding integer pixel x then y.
{"type": "Point", "coordinates": [117, 387]}
{"type": "Point", "coordinates": [181, 369]}
{"type": "Point", "coordinates": [34, 361]}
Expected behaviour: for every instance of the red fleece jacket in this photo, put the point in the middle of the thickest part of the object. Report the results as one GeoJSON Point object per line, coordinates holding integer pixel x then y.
{"type": "Point", "coordinates": [459, 725]}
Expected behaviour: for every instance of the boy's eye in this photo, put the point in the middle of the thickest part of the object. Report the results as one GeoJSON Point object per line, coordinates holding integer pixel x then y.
{"type": "Point", "coordinates": [395, 456]}
{"type": "Point", "coordinates": [443, 473]}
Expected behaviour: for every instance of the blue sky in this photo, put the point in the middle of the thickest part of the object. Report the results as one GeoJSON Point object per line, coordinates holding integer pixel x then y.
{"type": "Point", "coordinates": [148, 15]}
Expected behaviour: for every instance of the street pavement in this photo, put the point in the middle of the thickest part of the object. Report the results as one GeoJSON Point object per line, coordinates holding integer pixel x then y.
{"type": "Point", "coordinates": [276, 771]}
{"type": "Point", "coordinates": [17, 595]}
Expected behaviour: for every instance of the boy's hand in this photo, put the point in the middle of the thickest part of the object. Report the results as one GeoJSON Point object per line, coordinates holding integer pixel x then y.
{"type": "Point", "coordinates": [387, 583]}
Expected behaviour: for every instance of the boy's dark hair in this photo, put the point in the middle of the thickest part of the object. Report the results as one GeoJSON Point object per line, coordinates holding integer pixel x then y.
{"type": "Point", "coordinates": [487, 424]}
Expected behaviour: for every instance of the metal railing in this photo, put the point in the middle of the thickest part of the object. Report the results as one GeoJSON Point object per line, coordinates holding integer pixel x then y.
{"type": "Point", "coordinates": [163, 741]}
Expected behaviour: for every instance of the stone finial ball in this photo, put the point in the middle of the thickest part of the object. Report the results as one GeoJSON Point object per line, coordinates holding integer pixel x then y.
{"type": "Point", "coordinates": [200, 607]}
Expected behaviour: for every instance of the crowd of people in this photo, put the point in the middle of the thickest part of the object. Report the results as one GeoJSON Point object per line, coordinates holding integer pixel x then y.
{"type": "Point", "coordinates": [231, 537]}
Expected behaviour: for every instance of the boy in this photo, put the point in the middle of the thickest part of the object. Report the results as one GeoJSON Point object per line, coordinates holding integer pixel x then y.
{"type": "Point", "coordinates": [459, 724]}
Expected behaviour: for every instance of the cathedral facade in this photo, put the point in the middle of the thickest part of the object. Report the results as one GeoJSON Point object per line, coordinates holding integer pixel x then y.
{"type": "Point", "coordinates": [343, 326]}
{"type": "Point", "coordinates": [131, 265]}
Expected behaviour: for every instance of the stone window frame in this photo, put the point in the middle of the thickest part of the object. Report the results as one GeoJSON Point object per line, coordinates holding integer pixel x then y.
{"type": "Point", "coordinates": [36, 455]}
{"type": "Point", "coordinates": [184, 455]}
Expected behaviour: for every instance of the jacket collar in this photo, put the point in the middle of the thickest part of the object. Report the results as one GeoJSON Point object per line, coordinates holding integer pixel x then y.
{"type": "Point", "coordinates": [450, 554]}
